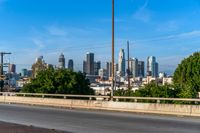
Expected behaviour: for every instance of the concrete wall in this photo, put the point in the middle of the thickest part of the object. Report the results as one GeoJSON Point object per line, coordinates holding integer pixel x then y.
{"type": "Point", "coordinates": [187, 110]}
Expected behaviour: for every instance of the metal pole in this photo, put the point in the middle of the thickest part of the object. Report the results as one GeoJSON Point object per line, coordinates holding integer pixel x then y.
{"type": "Point", "coordinates": [128, 65]}
{"type": "Point", "coordinates": [113, 50]}
{"type": "Point", "coordinates": [1, 63]}
{"type": "Point", "coordinates": [1, 81]}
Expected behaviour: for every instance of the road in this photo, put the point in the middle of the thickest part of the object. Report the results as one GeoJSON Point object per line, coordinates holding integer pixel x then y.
{"type": "Point", "coordinates": [88, 121]}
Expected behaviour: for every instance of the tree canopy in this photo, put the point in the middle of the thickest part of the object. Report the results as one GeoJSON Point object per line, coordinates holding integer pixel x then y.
{"type": "Point", "coordinates": [59, 81]}
{"type": "Point", "coordinates": [187, 76]}
{"type": "Point", "coordinates": [150, 90]}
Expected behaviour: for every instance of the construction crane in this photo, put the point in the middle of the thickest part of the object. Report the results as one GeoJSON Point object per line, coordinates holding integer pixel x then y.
{"type": "Point", "coordinates": [2, 76]}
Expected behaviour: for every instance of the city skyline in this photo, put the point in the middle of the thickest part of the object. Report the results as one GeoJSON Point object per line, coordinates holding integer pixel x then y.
{"type": "Point", "coordinates": [33, 28]}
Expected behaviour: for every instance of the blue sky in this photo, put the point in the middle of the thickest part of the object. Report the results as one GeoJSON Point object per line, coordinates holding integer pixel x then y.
{"type": "Point", "coordinates": [167, 29]}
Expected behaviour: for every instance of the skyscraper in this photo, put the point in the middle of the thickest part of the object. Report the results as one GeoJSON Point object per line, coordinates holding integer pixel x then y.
{"type": "Point", "coordinates": [24, 72]}
{"type": "Point", "coordinates": [141, 68]}
{"type": "Point", "coordinates": [61, 61]}
{"type": "Point", "coordinates": [122, 62]}
{"type": "Point", "coordinates": [152, 66]}
{"type": "Point", "coordinates": [156, 69]}
{"type": "Point", "coordinates": [12, 68]}
{"type": "Point", "coordinates": [109, 69]}
{"type": "Point", "coordinates": [38, 66]}
{"type": "Point", "coordinates": [71, 64]}
{"type": "Point", "coordinates": [84, 67]}
{"type": "Point", "coordinates": [133, 67]}
{"type": "Point", "coordinates": [88, 65]}
{"type": "Point", "coordinates": [97, 66]}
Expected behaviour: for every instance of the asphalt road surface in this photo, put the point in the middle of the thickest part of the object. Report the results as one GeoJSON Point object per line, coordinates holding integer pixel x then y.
{"type": "Point", "coordinates": [87, 121]}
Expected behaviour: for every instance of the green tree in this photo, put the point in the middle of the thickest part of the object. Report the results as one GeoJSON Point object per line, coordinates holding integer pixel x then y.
{"type": "Point", "coordinates": [60, 81]}
{"type": "Point", "coordinates": [154, 90]}
{"type": "Point", "coordinates": [187, 76]}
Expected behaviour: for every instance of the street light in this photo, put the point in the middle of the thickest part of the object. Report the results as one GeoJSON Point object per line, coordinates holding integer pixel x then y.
{"type": "Point", "coordinates": [113, 50]}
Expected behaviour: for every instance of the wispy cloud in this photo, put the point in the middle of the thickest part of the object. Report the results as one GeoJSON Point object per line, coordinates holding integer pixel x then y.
{"type": "Point", "coordinates": [184, 35]}
{"type": "Point", "coordinates": [171, 25]}
{"type": "Point", "coordinates": [143, 14]}
{"type": "Point", "coordinates": [39, 43]}
{"type": "Point", "coordinates": [178, 36]}
{"type": "Point", "coordinates": [55, 30]}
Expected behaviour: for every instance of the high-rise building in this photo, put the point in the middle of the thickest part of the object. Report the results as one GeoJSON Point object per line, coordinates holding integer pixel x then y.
{"type": "Point", "coordinates": [152, 66]}
{"type": "Point", "coordinates": [103, 73]}
{"type": "Point", "coordinates": [38, 66]}
{"type": "Point", "coordinates": [116, 67]}
{"type": "Point", "coordinates": [141, 68]}
{"type": "Point", "coordinates": [61, 61]}
{"type": "Point", "coordinates": [122, 63]}
{"type": "Point", "coordinates": [109, 69]}
{"type": "Point", "coordinates": [156, 70]}
{"type": "Point", "coordinates": [12, 68]}
{"type": "Point", "coordinates": [29, 73]}
{"type": "Point", "coordinates": [97, 66]}
{"type": "Point", "coordinates": [88, 65]}
{"type": "Point", "coordinates": [84, 67]}
{"type": "Point", "coordinates": [24, 72]}
{"type": "Point", "coordinates": [71, 64]}
{"type": "Point", "coordinates": [39, 59]}
{"type": "Point", "coordinates": [133, 67]}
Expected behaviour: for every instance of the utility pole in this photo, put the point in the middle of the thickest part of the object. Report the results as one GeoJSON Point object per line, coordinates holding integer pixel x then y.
{"type": "Point", "coordinates": [128, 71]}
{"type": "Point", "coordinates": [113, 49]}
{"type": "Point", "coordinates": [1, 71]}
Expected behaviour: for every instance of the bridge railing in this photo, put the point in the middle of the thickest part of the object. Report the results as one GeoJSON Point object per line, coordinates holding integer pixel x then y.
{"type": "Point", "coordinates": [104, 98]}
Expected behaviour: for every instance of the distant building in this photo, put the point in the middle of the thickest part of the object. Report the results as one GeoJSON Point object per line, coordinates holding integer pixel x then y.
{"type": "Point", "coordinates": [29, 73]}
{"type": "Point", "coordinates": [122, 63]}
{"type": "Point", "coordinates": [109, 69]}
{"type": "Point", "coordinates": [12, 68]}
{"type": "Point", "coordinates": [88, 65]}
{"type": "Point", "coordinates": [116, 67]}
{"type": "Point", "coordinates": [71, 64]}
{"type": "Point", "coordinates": [133, 67]}
{"type": "Point", "coordinates": [97, 66]}
{"type": "Point", "coordinates": [152, 66]}
{"type": "Point", "coordinates": [61, 61]}
{"type": "Point", "coordinates": [141, 71]}
{"type": "Point", "coordinates": [156, 70]}
{"type": "Point", "coordinates": [103, 74]}
{"type": "Point", "coordinates": [24, 72]}
{"type": "Point", "coordinates": [49, 66]}
{"type": "Point", "coordinates": [38, 66]}
{"type": "Point", "coordinates": [162, 75]}
{"type": "Point", "coordinates": [84, 67]}
{"type": "Point", "coordinates": [40, 58]}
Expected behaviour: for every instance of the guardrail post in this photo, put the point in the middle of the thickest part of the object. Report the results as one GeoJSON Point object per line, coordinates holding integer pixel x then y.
{"type": "Point", "coordinates": [42, 96]}
{"type": "Point", "coordinates": [158, 101]}
{"type": "Point", "coordinates": [90, 98]}
{"type": "Point", "coordinates": [135, 100]}
{"type": "Point", "coordinates": [65, 97]}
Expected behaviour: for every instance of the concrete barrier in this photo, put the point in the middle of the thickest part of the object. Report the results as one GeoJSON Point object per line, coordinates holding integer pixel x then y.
{"type": "Point", "coordinates": [173, 109]}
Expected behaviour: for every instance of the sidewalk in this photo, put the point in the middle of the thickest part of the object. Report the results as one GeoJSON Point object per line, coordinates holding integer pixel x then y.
{"type": "Point", "coordinates": [15, 128]}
